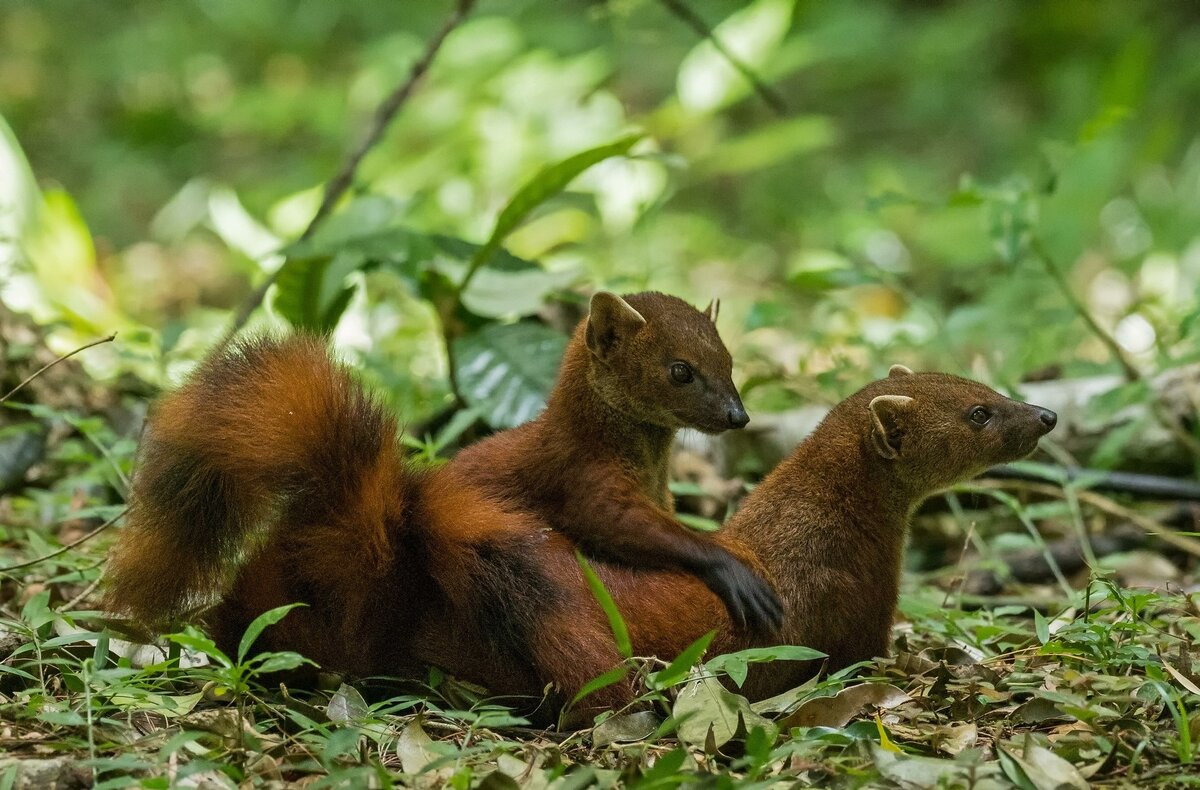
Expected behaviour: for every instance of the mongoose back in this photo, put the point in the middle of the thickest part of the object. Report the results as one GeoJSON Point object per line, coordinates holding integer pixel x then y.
{"type": "Point", "coordinates": [594, 464]}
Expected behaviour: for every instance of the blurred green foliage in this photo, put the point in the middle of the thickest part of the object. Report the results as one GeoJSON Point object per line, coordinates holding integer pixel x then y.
{"type": "Point", "coordinates": [885, 217]}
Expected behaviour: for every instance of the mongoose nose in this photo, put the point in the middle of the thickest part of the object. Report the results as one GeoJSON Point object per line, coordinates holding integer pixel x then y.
{"type": "Point", "coordinates": [1048, 418]}
{"type": "Point", "coordinates": [738, 418]}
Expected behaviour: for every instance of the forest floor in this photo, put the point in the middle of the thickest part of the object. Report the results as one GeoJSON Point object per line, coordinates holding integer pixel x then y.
{"type": "Point", "coordinates": [1004, 671]}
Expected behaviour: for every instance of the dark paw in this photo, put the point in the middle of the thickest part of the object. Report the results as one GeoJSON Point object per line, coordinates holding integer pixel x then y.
{"type": "Point", "coordinates": [751, 602]}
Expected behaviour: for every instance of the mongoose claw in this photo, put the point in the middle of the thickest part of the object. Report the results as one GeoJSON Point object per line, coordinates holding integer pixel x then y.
{"type": "Point", "coordinates": [751, 601]}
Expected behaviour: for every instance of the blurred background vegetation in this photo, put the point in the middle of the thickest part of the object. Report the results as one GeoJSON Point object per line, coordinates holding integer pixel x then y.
{"type": "Point", "coordinates": [1005, 190]}
{"type": "Point", "coordinates": [929, 162]}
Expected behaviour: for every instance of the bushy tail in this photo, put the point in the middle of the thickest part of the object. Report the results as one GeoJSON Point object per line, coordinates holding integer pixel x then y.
{"type": "Point", "coordinates": [270, 434]}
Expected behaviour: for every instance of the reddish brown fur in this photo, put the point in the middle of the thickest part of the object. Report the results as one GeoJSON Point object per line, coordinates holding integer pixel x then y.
{"type": "Point", "coordinates": [403, 568]}
{"type": "Point", "coordinates": [271, 478]}
{"type": "Point", "coordinates": [829, 524]}
{"type": "Point", "coordinates": [269, 435]}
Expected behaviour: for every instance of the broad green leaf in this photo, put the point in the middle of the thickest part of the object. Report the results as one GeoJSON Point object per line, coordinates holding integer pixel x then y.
{"type": "Point", "coordinates": [498, 294]}
{"type": "Point", "coordinates": [506, 371]}
{"type": "Point", "coordinates": [416, 750]}
{"type": "Point", "coordinates": [311, 292]}
{"type": "Point", "coordinates": [710, 715]}
{"type": "Point", "coordinates": [678, 669]}
{"type": "Point", "coordinates": [666, 771]}
{"type": "Point", "coordinates": [615, 621]}
{"type": "Point", "coordinates": [19, 192]}
{"type": "Point", "coordinates": [346, 705]}
{"type": "Point", "coordinates": [626, 728]}
{"type": "Point", "coordinates": [909, 771]}
{"type": "Point", "coordinates": [259, 624]}
{"type": "Point", "coordinates": [1108, 453]}
{"type": "Point", "coordinates": [545, 185]}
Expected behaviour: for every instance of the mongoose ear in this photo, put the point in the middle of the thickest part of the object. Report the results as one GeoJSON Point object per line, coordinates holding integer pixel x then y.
{"type": "Point", "coordinates": [611, 319]}
{"type": "Point", "coordinates": [887, 417]}
{"type": "Point", "coordinates": [899, 370]}
{"type": "Point", "coordinates": [713, 310]}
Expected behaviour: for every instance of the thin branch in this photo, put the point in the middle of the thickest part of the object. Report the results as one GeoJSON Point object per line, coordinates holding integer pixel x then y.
{"type": "Point", "coordinates": [1150, 526]}
{"type": "Point", "coordinates": [67, 547]}
{"type": "Point", "coordinates": [1161, 413]}
{"type": "Point", "coordinates": [49, 365]}
{"type": "Point", "coordinates": [1133, 483]}
{"type": "Point", "coordinates": [87, 591]}
{"type": "Point", "coordinates": [685, 14]}
{"type": "Point", "coordinates": [1128, 369]}
{"type": "Point", "coordinates": [344, 178]}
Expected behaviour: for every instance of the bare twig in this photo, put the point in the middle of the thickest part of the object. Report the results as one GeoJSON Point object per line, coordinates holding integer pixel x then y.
{"type": "Point", "coordinates": [67, 547]}
{"type": "Point", "coordinates": [49, 365]}
{"type": "Point", "coordinates": [959, 566]}
{"type": "Point", "coordinates": [1133, 483]}
{"type": "Point", "coordinates": [689, 17]}
{"type": "Point", "coordinates": [1130, 371]}
{"type": "Point", "coordinates": [344, 178]}
{"type": "Point", "coordinates": [87, 591]}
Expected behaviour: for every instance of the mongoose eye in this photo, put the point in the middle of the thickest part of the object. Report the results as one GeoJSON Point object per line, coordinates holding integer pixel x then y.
{"type": "Point", "coordinates": [979, 415]}
{"type": "Point", "coordinates": [681, 372]}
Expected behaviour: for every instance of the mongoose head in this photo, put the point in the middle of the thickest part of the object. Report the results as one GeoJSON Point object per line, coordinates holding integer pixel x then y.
{"type": "Point", "coordinates": [938, 429]}
{"type": "Point", "coordinates": [660, 360]}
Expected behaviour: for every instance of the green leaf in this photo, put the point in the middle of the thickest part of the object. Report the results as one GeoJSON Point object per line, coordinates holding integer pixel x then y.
{"type": "Point", "coordinates": [132, 698]}
{"type": "Point", "coordinates": [698, 522]}
{"type": "Point", "coordinates": [710, 715]}
{"type": "Point", "coordinates": [615, 621]}
{"type": "Point", "coordinates": [279, 662]}
{"type": "Point", "coordinates": [678, 669]}
{"type": "Point", "coordinates": [545, 185]}
{"type": "Point", "coordinates": [497, 294]}
{"type": "Point", "coordinates": [666, 771]}
{"type": "Point", "coordinates": [194, 640]}
{"type": "Point", "coordinates": [18, 672]}
{"type": "Point", "coordinates": [736, 665]}
{"type": "Point", "coordinates": [310, 288]}
{"type": "Point", "coordinates": [310, 292]}
{"type": "Point", "coordinates": [626, 728]}
{"type": "Point", "coordinates": [1042, 626]}
{"type": "Point", "coordinates": [614, 675]}
{"type": "Point", "coordinates": [347, 705]}
{"type": "Point", "coordinates": [259, 624]}
{"type": "Point", "coordinates": [499, 259]}
{"type": "Point", "coordinates": [506, 371]}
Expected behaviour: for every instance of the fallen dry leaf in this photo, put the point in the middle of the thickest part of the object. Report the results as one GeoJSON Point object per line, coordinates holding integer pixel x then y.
{"type": "Point", "coordinates": [847, 704]}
